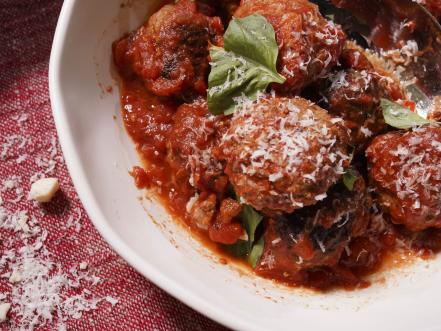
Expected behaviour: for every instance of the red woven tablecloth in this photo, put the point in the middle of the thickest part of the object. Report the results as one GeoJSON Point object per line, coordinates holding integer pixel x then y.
{"type": "Point", "coordinates": [111, 295]}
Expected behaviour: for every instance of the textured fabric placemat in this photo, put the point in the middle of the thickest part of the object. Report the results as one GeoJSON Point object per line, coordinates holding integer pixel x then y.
{"type": "Point", "coordinates": [66, 276]}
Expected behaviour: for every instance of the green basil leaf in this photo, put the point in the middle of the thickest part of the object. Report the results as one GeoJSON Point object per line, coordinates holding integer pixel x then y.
{"type": "Point", "coordinates": [239, 249]}
{"type": "Point", "coordinates": [250, 220]}
{"type": "Point", "coordinates": [256, 252]}
{"type": "Point", "coordinates": [253, 37]}
{"type": "Point", "coordinates": [245, 67]}
{"type": "Point", "coordinates": [399, 116]}
{"type": "Point", "coordinates": [349, 179]}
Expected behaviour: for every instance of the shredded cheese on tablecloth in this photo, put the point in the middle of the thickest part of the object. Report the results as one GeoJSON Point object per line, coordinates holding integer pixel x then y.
{"type": "Point", "coordinates": [42, 293]}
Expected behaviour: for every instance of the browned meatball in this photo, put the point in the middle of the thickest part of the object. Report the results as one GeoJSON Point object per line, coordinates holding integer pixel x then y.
{"type": "Point", "coordinates": [363, 255]}
{"type": "Point", "coordinates": [405, 169]}
{"type": "Point", "coordinates": [355, 93]}
{"type": "Point", "coordinates": [170, 52]}
{"type": "Point", "coordinates": [195, 132]}
{"type": "Point", "coordinates": [315, 236]}
{"type": "Point", "coordinates": [283, 154]}
{"type": "Point", "coordinates": [309, 45]}
{"type": "Point", "coordinates": [221, 8]}
{"type": "Point", "coordinates": [355, 96]}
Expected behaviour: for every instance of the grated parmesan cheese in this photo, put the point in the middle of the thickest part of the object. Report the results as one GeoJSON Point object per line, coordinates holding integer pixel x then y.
{"type": "Point", "coordinates": [4, 309]}
{"type": "Point", "coordinates": [191, 202]}
{"type": "Point", "coordinates": [366, 132]}
{"type": "Point", "coordinates": [111, 300]}
{"type": "Point", "coordinates": [42, 294]}
{"type": "Point", "coordinates": [15, 277]}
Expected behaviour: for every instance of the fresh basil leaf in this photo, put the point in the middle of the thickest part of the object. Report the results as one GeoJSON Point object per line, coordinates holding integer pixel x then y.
{"type": "Point", "coordinates": [239, 249]}
{"type": "Point", "coordinates": [349, 179]}
{"type": "Point", "coordinates": [256, 252]}
{"type": "Point", "coordinates": [250, 220]}
{"type": "Point", "coordinates": [399, 116]}
{"type": "Point", "coordinates": [245, 67]}
{"type": "Point", "coordinates": [253, 37]}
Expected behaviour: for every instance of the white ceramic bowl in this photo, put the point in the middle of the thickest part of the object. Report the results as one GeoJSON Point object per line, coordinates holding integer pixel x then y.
{"type": "Point", "coordinates": [99, 154]}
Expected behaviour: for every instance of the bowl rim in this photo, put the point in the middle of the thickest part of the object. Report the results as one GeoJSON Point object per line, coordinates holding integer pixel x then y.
{"type": "Point", "coordinates": [83, 189]}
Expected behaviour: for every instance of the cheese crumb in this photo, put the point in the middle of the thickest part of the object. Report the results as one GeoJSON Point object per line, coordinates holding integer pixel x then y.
{"type": "Point", "coordinates": [83, 265]}
{"type": "Point", "coordinates": [321, 197]}
{"type": "Point", "coordinates": [44, 189]}
{"type": "Point", "coordinates": [111, 300]}
{"type": "Point", "coordinates": [191, 203]}
{"type": "Point", "coordinates": [244, 236]}
{"type": "Point", "coordinates": [22, 222]}
{"type": "Point", "coordinates": [4, 308]}
{"type": "Point", "coordinates": [15, 277]}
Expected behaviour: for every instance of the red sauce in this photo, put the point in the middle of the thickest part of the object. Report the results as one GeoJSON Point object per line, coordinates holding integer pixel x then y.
{"type": "Point", "coordinates": [148, 119]}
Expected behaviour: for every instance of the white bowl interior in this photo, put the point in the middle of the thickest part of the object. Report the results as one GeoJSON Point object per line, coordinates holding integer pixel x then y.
{"type": "Point", "coordinates": [99, 155]}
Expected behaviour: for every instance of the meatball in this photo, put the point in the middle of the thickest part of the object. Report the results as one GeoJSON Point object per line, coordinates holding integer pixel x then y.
{"type": "Point", "coordinates": [405, 170]}
{"type": "Point", "coordinates": [170, 52]}
{"type": "Point", "coordinates": [283, 154]}
{"type": "Point", "coordinates": [355, 96]}
{"type": "Point", "coordinates": [309, 45]}
{"type": "Point", "coordinates": [191, 140]}
{"type": "Point", "coordinates": [362, 255]}
{"type": "Point", "coordinates": [317, 235]}
{"type": "Point", "coordinates": [221, 8]}
{"type": "Point", "coordinates": [355, 93]}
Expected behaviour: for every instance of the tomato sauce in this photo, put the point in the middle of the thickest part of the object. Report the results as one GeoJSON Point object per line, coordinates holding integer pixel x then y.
{"type": "Point", "coordinates": [148, 119]}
